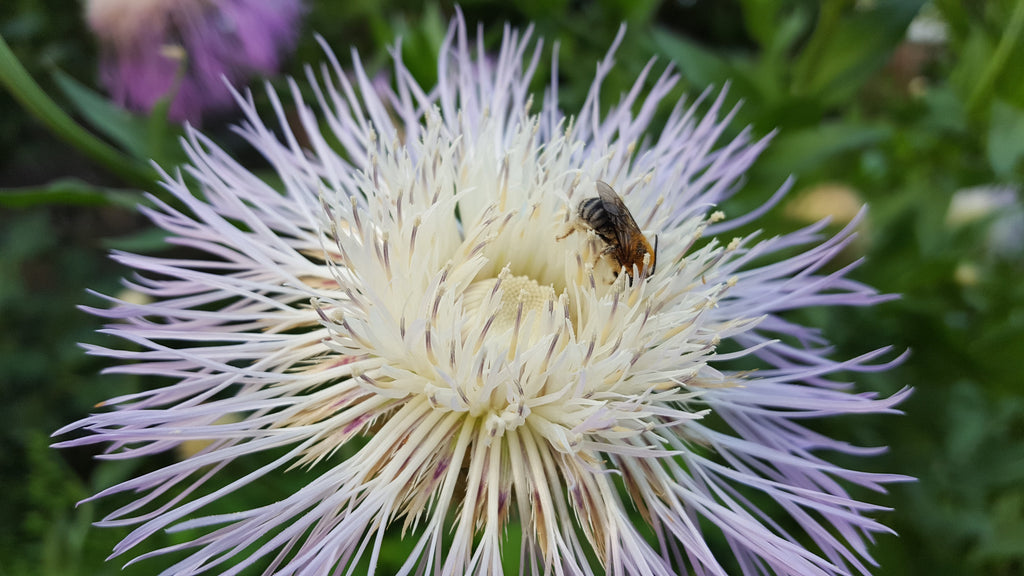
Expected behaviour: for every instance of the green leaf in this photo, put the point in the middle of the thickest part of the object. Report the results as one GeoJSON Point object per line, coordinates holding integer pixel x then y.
{"type": "Point", "coordinates": [699, 65]}
{"type": "Point", "coordinates": [147, 241]}
{"type": "Point", "coordinates": [69, 191]}
{"type": "Point", "coordinates": [785, 34]}
{"type": "Point", "coordinates": [802, 151]}
{"type": "Point", "coordinates": [162, 135]}
{"type": "Point", "coordinates": [1005, 540]}
{"type": "Point", "coordinates": [946, 112]}
{"type": "Point", "coordinates": [37, 102]}
{"type": "Point", "coordinates": [633, 10]}
{"type": "Point", "coordinates": [1006, 139]}
{"type": "Point", "coordinates": [103, 115]}
{"type": "Point", "coordinates": [141, 136]}
{"type": "Point", "coordinates": [1006, 57]}
{"type": "Point", "coordinates": [974, 53]}
{"type": "Point", "coordinates": [761, 18]}
{"type": "Point", "coordinates": [849, 45]}
{"type": "Point", "coordinates": [421, 42]}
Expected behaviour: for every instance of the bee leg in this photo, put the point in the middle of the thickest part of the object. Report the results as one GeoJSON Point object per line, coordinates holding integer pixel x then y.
{"type": "Point", "coordinates": [616, 266]}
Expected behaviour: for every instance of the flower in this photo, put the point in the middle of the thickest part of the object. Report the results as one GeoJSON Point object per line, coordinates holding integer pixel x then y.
{"type": "Point", "coordinates": [970, 205]}
{"type": "Point", "coordinates": [185, 49]}
{"type": "Point", "coordinates": [998, 208]}
{"type": "Point", "coordinates": [421, 324]}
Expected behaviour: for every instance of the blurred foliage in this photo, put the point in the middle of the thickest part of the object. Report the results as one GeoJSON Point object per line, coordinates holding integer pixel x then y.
{"type": "Point", "coordinates": [900, 114]}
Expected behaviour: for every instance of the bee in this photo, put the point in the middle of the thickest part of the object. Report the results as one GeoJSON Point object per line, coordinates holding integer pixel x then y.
{"type": "Point", "coordinates": [609, 218]}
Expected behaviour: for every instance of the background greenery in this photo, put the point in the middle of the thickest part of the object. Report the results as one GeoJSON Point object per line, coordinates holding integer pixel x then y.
{"type": "Point", "coordinates": [863, 112]}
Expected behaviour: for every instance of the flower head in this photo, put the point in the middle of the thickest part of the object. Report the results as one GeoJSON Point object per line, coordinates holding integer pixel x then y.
{"type": "Point", "coordinates": [424, 325]}
{"type": "Point", "coordinates": [153, 49]}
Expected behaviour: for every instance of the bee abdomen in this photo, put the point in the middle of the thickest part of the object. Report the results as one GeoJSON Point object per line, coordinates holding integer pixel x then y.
{"type": "Point", "coordinates": [592, 212]}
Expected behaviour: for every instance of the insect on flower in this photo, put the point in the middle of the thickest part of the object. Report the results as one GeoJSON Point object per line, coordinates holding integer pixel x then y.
{"type": "Point", "coordinates": [400, 340]}
{"type": "Point", "coordinates": [609, 218]}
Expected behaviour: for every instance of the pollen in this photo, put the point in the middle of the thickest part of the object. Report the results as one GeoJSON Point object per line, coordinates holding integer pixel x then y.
{"type": "Point", "coordinates": [508, 298]}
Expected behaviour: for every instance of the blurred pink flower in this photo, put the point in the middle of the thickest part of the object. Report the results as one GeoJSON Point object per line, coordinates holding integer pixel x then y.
{"type": "Point", "coordinates": [152, 49]}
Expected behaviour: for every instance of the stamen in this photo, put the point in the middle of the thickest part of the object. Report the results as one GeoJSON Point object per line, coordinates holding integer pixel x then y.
{"type": "Point", "coordinates": [428, 344]}
{"type": "Point", "coordinates": [355, 215]}
{"type": "Point", "coordinates": [515, 331]}
{"type": "Point", "coordinates": [412, 237]}
{"type": "Point", "coordinates": [387, 256]}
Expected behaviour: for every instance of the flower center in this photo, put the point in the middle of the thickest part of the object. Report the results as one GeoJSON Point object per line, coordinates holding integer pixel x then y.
{"type": "Point", "coordinates": [512, 298]}
{"type": "Point", "coordinates": [505, 313]}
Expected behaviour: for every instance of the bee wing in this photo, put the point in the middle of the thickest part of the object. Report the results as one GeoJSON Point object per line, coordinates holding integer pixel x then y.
{"type": "Point", "coordinates": [610, 200]}
{"type": "Point", "coordinates": [626, 229]}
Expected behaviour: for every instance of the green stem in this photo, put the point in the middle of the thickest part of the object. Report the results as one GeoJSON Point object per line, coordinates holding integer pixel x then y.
{"type": "Point", "coordinates": [33, 98]}
{"type": "Point", "coordinates": [829, 16]}
{"type": "Point", "coordinates": [983, 89]}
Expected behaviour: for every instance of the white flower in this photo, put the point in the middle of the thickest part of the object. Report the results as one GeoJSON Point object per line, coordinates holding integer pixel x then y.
{"type": "Point", "coordinates": [971, 205]}
{"type": "Point", "coordinates": [421, 325]}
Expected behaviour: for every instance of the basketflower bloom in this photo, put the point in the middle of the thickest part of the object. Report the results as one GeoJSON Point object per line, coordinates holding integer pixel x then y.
{"type": "Point", "coordinates": [185, 49]}
{"type": "Point", "coordinates": [414, 320]}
